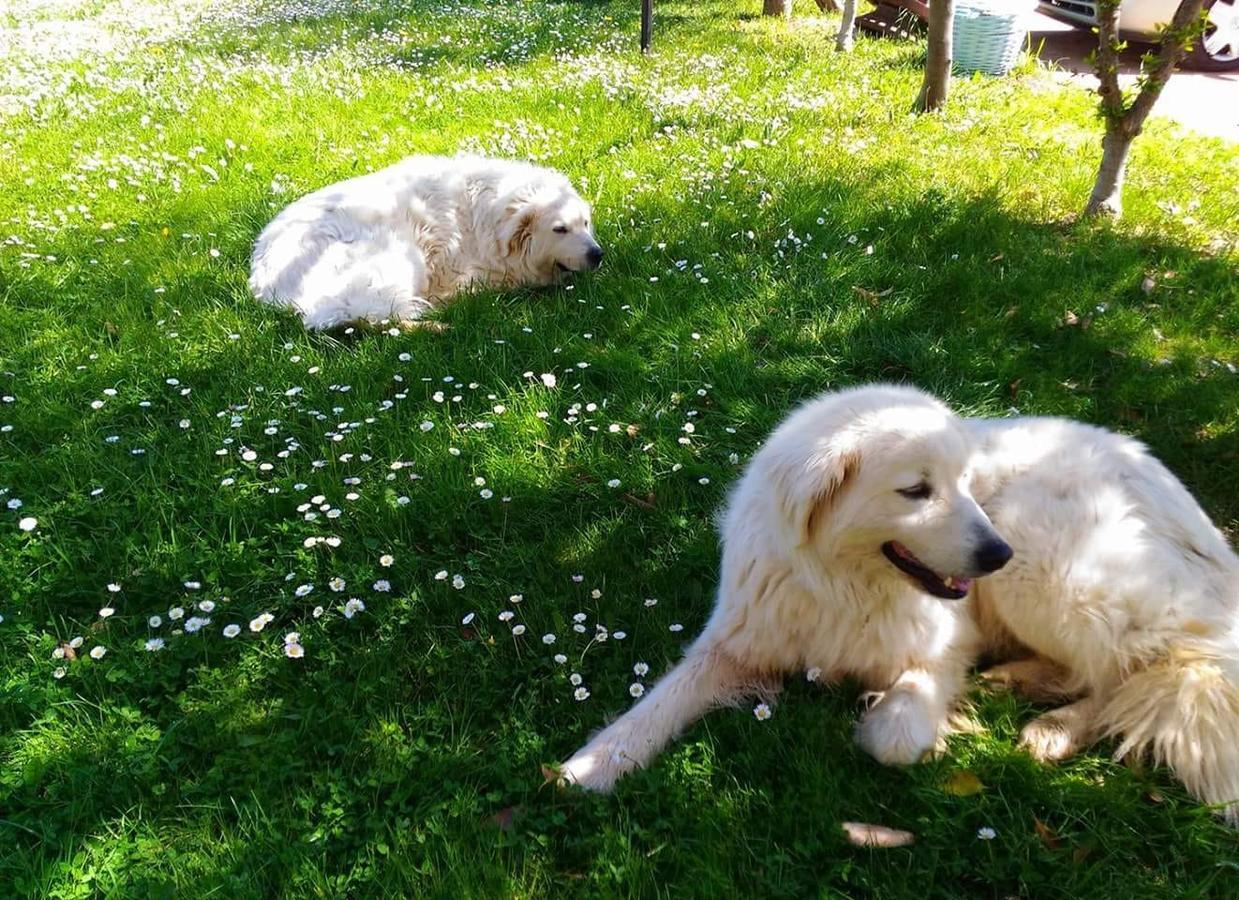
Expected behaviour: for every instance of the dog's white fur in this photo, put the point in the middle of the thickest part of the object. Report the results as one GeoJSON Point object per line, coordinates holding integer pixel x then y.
{"type": "Point", "coordinates": [1120, 584]}
{"type": "Point", "coordinates": [393, 244]}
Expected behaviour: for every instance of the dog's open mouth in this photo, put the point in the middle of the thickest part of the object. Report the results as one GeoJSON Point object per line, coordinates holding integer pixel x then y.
{"type": "Point", "coordinates": [947, 587]}
{"type": "Point", "coordinates": [562, 268]}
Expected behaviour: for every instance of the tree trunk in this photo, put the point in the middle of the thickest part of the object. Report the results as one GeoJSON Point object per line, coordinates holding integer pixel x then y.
{"type": "Point", "coordinates": [1125, 122]}
{"type": "Point", "coordinates": [843, 42]}
{"type": "Point", "coordinates": [777, 8]}
{"type": "Point", "coordinates": [1107, 196]}
{"type": "Point", "coordinates": [938, 61]}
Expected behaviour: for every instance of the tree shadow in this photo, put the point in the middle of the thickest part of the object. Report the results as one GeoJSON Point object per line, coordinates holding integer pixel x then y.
{"type": "Point", "coordinates": [957, 295]}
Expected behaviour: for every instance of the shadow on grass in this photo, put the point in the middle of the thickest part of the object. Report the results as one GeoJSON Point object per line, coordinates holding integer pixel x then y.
{"type": "Point", "coordinates": [411, 739]}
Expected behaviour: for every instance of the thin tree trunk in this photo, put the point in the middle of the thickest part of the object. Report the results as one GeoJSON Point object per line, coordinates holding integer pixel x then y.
{"type": "Point", "coordinates": [843, 42]}
{"type": "Point", "coordinates": [938, 62]}
{"type": "Point", "coordinates": [1125, 122]}
{"type": "Point", "coordinates": [1107, 196]}
{"type": "Point", "coordinates": [777, 8]}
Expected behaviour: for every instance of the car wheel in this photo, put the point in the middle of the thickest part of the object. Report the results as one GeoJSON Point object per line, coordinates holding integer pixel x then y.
{"type": "Point", "coordinates": [1218, 49]}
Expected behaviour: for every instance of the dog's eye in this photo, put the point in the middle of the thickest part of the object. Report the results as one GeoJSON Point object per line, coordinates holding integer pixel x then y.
{"type": "Point", "coordinates": [920, 491]}
{"type": "Point", "coordinates": [560, 229]}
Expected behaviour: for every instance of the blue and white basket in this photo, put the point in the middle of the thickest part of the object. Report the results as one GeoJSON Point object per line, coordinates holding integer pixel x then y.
{"type": "Point", "coordinates": [989, 34]}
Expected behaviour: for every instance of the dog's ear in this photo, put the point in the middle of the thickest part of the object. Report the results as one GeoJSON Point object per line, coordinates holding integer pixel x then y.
{"type": "Point", "coordinates": [516, 228]}
{"type": "Point", "coordinates": [809, 488]}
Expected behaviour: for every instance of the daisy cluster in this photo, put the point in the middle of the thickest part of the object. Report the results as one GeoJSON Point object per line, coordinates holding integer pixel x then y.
{"type": "Point", "coordinates": [303, 444]}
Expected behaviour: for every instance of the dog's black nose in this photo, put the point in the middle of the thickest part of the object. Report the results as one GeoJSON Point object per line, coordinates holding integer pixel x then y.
{"type": "Point", "coordinates": [594, 256]}
{"type": "Point", "coordinates": [993, 555]}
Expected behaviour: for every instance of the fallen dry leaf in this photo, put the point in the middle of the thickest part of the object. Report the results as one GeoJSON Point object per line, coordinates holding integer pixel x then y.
{"type": "Point", "coordinates": [504, 818]}
{"type": "Point", "coordinates": [1070, 318]}
{"type": "Point", "coordinates": [550, 775]}
{"type": "Point", "coordinates": [646, 502]}
{"type": "Point", "coordinates": [862, 834]}
{"type": "Point", "coordinates": [1047, 835]}
{"type": "Point", "coordinates": [963, 783]}
{"type": "Point", "coordinates": [874, 297]}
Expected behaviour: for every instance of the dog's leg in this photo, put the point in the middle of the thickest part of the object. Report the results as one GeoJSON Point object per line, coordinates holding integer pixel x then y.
{"type": "Point", "coordinates": [1060, 733]}
{"type": "Point", "coordinates": [905, 724]}
{"type": "Point", "coordinates": [706, 677]}
{"type": "Point", "coordinates": [1035, 678]}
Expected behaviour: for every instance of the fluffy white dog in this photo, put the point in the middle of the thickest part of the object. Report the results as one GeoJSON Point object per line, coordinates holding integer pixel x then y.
{"type": "Point", "coordinates": [394, 244]}
{"type": "Point", "coordinates": [869, 508]}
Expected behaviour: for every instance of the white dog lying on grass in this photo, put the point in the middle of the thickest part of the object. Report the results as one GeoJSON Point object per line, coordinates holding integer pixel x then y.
{"type": "Point", "coordinates": [856, 542]}
{"type": "Point", "coordinates": [394, 244]}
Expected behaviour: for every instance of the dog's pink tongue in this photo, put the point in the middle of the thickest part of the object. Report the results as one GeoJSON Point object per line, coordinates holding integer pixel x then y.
{"type": "Point", "coordinates": [963, 584]}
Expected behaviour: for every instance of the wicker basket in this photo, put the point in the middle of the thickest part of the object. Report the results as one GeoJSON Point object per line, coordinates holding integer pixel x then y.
{"type": "Point", "coordinates": [988, 34]}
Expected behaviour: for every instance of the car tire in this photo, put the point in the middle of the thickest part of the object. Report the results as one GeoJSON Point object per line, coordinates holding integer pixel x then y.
{"type": "Point", "coordinates": [1218, 49]}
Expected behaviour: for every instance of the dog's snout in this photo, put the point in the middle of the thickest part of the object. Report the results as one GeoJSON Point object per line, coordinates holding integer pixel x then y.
{"type": "Point", "coordinates": [993, 555]}
{"type": "Point", "coordinates": [594, 256]}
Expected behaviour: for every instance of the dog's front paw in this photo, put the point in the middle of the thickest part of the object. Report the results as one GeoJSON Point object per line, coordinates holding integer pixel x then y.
{"type": "Point", "coordinates": [1048, 739]}
{"type": "Point", "coordinates": [596, 767]}
{"type": "Point", "coordinates": [898, 730]}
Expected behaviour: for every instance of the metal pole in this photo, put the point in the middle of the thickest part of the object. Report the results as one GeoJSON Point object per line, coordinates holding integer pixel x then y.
{"type": "Point", "coordinates": [647, 24]}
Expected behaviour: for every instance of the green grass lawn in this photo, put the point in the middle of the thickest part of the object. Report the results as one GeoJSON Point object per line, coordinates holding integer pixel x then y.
{"type": "Point", "coordinates": [776, 224]}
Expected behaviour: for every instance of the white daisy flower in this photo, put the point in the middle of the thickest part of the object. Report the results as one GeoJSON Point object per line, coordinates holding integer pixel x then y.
{"type": "Point", "coordinates": [106, 612]}
{"type": "Point", "coordinates": [176, 612]}
{"type": "Point", "coordinates": [207, 606]}
{"type": "Point", "coordinates": [813, 674]}
{"type": "Point", "coordinates": [458, 582]}
{"type": "Point", "coordinates": [294, 651]}
{"type": "Point", "coordinates": [762, 712]}
{"type": "Point", "coordinates": [548, 639]}
{"type": "Point", "coordinates": [382, 586]}
{"type": "Point", "coordinates": [386, 560]}
{"type": "Point", "coordinates": [154, 621]}
{"type": "Point", "coordinates": [636, 689]}
{"type": "Point", "coordinates": [560, 658]}
{"type": "Point", "coordinates": [154, 644]}
{"type": "Point", "coordinates": [231, 631]}
{"type": "Point", "coordinates": [353, 607]}
{"type": "Point", "coordinates": [986, 833]}
{"type": "Point", "coordinates": [575, 678]}
{"type": "Point", "coordinates": [98, 652]}
{"type": "Point", "coordinates": [581, 693]}
{"type": "Point", "coordinates": [303, 589]}
{"type": "Point", "coordinates": [640, 669]}
{"type": "Point", "coordinates": [336, 584]}
{"type": "Point", "coordinates": [518, 630]}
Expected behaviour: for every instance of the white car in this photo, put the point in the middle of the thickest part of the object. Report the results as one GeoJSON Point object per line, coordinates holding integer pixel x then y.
{"type": "Point", "coordinates": [1140, 20]}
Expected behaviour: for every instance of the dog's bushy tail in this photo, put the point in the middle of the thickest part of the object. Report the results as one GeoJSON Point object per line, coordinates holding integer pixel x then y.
{"type": "Point", "coordinates": [1183, 712]}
